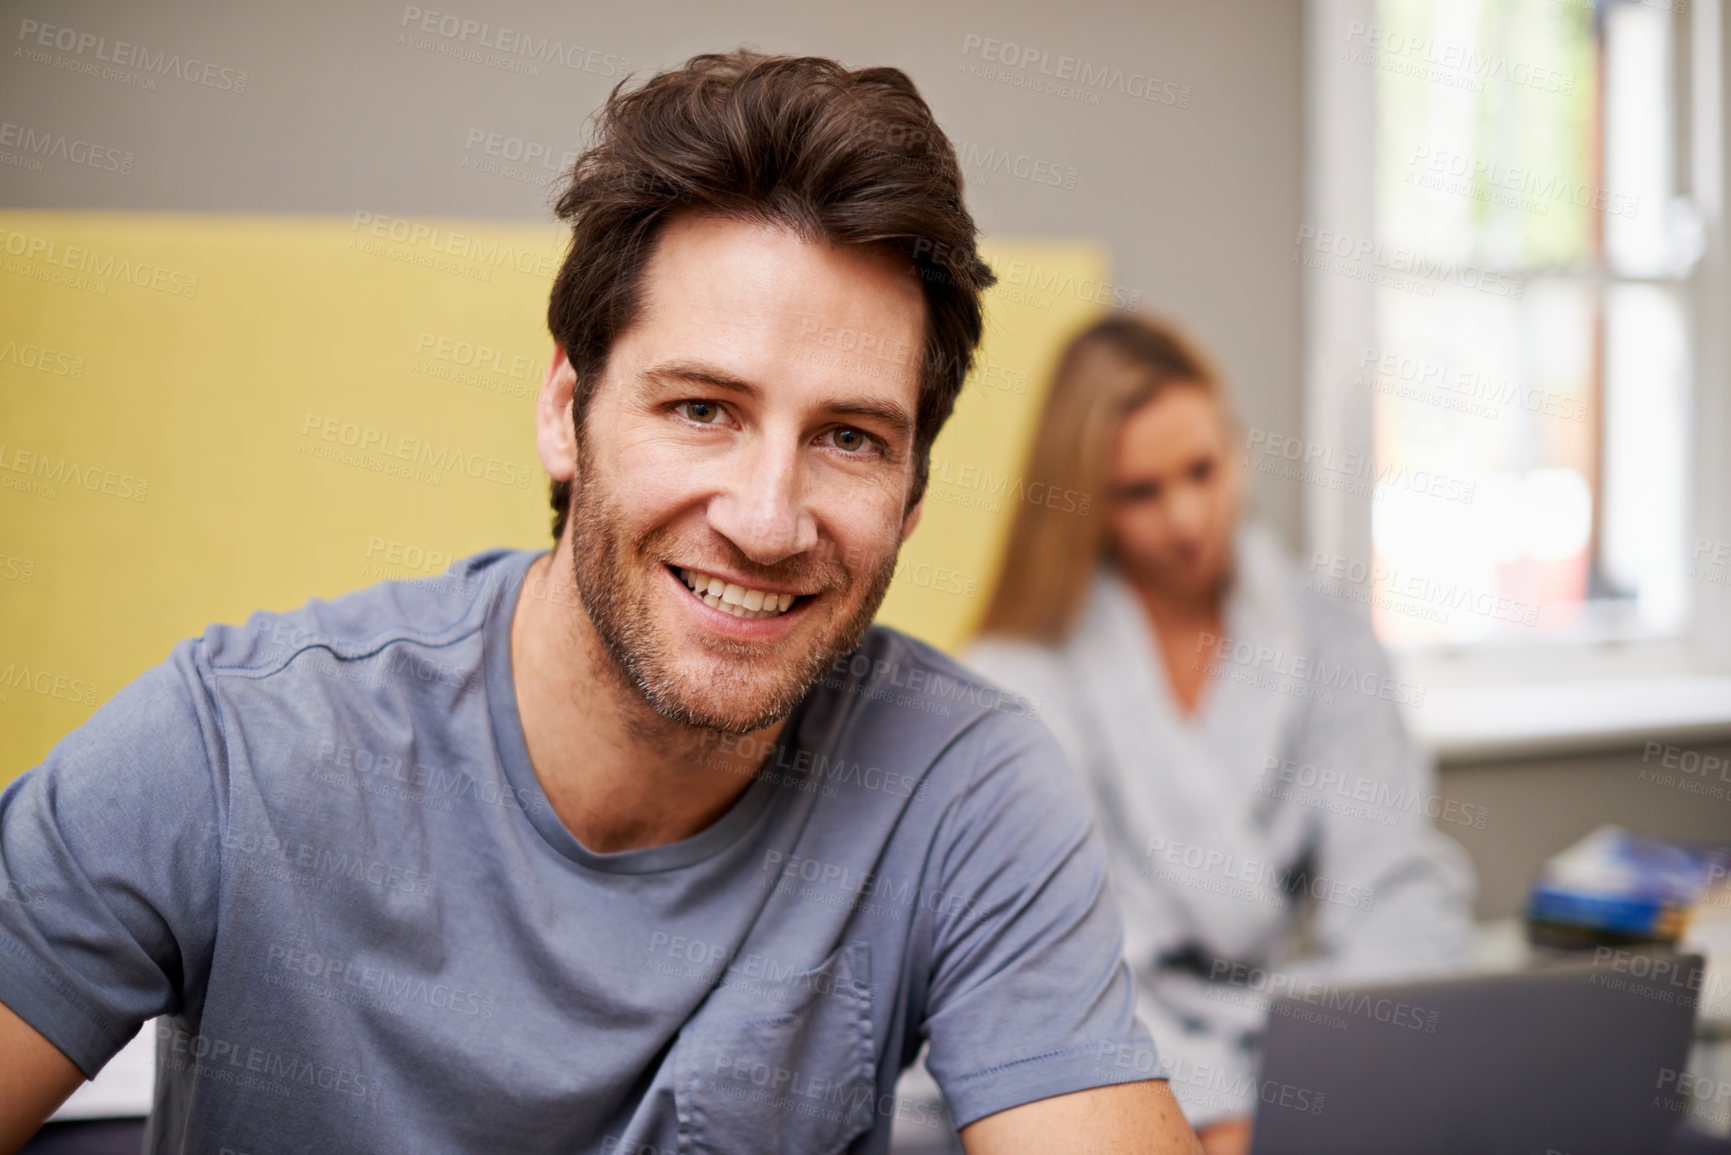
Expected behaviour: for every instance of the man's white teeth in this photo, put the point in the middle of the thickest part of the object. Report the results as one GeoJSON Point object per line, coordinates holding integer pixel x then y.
{"type": "Point", "coordinates": [735, 599]}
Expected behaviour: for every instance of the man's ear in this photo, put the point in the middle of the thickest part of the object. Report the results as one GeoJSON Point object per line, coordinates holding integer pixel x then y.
{"type": "Point", "coordinates": [555, 436]}
{"type": "Point", "coordinates": [911, 518]}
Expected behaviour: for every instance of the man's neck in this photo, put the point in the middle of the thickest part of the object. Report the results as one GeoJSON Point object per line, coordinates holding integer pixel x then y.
{"type": "Point", "coordinates": [619, 775]}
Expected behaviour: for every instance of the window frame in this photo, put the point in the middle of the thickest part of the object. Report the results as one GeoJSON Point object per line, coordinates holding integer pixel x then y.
{"type": "Point", "coordinates": [1340, 320]}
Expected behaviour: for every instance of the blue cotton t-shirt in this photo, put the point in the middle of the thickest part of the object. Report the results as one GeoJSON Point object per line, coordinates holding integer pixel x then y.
{"type": "Point", "coordinates": [315, 844]}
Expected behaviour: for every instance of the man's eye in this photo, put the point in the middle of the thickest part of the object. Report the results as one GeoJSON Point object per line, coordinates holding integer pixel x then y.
{"type": "Point", "coordinates": [852, 440]}
{"type": "Point", "coordinates": [702, 412]}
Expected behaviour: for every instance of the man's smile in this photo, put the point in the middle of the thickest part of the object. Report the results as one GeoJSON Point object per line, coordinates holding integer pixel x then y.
{"type": "Point", "coordinates": [737, 601]}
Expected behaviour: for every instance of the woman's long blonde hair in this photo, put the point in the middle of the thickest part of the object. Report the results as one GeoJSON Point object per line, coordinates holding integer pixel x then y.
{"type": "Point", "coordinates": [1106, 372]}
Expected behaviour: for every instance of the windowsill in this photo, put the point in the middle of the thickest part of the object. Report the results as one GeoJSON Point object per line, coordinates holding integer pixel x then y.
{"type": "Point", "coordinates": [1479, 724]}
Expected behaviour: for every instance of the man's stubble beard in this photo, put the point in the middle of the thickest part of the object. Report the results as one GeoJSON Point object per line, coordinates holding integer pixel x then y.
{"type": "Point", "coordinates": [637, 654]}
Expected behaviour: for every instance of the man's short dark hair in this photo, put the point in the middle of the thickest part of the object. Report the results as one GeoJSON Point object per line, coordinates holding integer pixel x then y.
{"type": "Point", "coordinates": [838, 156]}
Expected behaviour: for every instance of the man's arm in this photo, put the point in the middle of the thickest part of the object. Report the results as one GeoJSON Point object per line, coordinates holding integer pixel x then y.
{"type": "Point", "coordinates": [110, 875]}
{"type": "Point", "coordinates": [35, 1078]}
{"type": "Point", "coordinates": [1227, 1137]}
{"type": "Point", "coordinates": [1133, 1118]}
{"type": "Point", "coordinates": [1031, 1011]}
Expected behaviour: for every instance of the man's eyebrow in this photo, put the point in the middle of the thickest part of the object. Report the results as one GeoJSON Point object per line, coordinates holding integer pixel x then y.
{"type": "Point", "coordinates": [886, 411]}
{"type": "Point", "coordinates": [694, 372]}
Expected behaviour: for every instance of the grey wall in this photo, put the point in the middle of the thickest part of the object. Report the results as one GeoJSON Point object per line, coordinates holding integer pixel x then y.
{"type": "Point", "coordinates": [1536, 807]}
{"type": "Point", "coordinates": [341, 112]}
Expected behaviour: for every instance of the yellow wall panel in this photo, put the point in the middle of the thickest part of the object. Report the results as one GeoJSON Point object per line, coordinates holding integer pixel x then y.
{"type": "Point", "coordinates": [201, 416]}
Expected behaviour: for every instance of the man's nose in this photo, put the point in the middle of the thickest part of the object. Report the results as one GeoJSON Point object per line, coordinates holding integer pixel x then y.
{"type": "Point", "coordinates": [762, 506]}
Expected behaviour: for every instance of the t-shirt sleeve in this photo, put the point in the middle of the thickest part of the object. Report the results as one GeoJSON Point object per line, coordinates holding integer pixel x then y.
{"type": "Point", "coordinates": [1030, 996]}
{"type": "Point", "coordinates": [109, 865]}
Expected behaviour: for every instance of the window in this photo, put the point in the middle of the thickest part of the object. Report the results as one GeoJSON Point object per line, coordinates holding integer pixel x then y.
{"type": "Point", "coordinates": [1554, 379]}
{"type": "Point", "coordinates": [1523, 316]}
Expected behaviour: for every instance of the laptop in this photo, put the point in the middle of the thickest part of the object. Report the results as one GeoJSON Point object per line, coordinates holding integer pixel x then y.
{"type": "Point", "coordinates": [1572, 1059]}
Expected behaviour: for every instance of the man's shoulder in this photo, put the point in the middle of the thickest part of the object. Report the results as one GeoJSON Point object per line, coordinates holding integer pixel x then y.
{"type": "Point", "coordinates": [898, 728]}
{"type": "Point", "coordinates": [896, 701]}
{"type": "Point", "coordinates": [894, 670]}
{"type": "Point", "coordinates": [436, 610]}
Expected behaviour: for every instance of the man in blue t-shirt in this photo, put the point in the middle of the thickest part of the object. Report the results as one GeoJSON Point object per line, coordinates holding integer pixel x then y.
{"type": "Point", "coordinates": [647, 843]}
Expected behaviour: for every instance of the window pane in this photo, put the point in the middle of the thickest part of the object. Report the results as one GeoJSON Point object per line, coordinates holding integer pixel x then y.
{"type": "Point", "coordinates": [1497, 394]}
{"type": "Point", "coordinates": [1555, 414]}
{"type": "Point", "coordinates": [1646, 453]}
{"type": "Point", "coordinates": [1487, 140]}
{"type": "Point", "coordinates": [1638, 138]}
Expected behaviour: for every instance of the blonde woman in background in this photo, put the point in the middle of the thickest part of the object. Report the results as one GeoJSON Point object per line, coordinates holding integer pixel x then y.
{"type": "Point", "coordinates": [1239, 732]}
